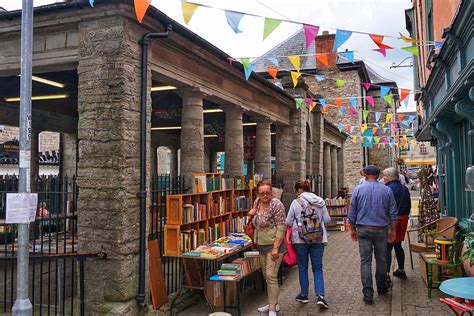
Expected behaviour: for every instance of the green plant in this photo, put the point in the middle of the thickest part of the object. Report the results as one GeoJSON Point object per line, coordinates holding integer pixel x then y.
{"type": "Point", "coordinates": [469, 254]}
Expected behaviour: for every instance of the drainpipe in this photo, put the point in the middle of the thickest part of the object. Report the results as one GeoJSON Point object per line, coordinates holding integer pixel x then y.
{"type": "Point", "coordinates": [144, 42]}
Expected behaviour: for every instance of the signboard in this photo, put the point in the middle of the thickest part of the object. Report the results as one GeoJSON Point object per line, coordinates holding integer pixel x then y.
{"type": "Point", "coordinates": [21, 208]}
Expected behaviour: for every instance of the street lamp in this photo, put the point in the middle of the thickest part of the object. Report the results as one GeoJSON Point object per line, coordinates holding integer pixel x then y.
{"type": "Point", "coordinates": [469, 183]}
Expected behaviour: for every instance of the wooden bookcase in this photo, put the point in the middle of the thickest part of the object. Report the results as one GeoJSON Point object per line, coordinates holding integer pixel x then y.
{"type": "Point", "coordinates": [194, 219]}
{"type": "Point", "coordinates": [338, 212]}
{"type": "Point", "coordinates": [206, 182]}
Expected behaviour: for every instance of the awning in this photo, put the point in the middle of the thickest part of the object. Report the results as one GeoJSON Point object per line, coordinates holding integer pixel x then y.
{"type": "Point", "coordinates": [420, 162]}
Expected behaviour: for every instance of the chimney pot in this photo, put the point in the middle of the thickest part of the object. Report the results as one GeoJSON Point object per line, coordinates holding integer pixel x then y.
{"type": "Point", "coordinates": [325, 32]}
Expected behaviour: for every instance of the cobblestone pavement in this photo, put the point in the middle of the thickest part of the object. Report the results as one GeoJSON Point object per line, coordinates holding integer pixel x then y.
{"type": "Point", "coordinates": [344, 289]}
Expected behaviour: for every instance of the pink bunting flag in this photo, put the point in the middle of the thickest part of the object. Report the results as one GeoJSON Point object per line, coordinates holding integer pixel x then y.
{"type": "Point", "coordinates": [229, 60]}
{"type": "Point", "coordinates": [353, 112]}
{"type": "Point", "coordinates": [382, 51]}
{"type": "Point", "coordinates": [309, 101]}
{"type": "Point", "coordinates": [310, 33]}
{"type": "Point", "coordinates": [370, 100]}
{"type": "Point", "coordinates": [366, 86]}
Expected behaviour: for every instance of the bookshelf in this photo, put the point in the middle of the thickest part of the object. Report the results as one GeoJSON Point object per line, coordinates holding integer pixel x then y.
{"type": "Point", "coordinates": [206, 182]}
{"type": "Point", "coordinates": [199, 218]}
{"type": "Point", "coordinates": [338, 209]}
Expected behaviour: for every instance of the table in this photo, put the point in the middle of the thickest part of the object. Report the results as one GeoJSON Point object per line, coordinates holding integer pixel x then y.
{"type": "Point", "coordinates": [463, 291]}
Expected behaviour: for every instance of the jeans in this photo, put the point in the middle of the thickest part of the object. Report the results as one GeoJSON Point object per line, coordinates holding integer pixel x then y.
{"type": "Point", "coordinates": [399, 253]}
{"type": "Point", "coordinates": [270, 273]}
{"type": "Point", "coordinates": [371, 240]}
{"type": "Point", "coordinates": [315, 252]}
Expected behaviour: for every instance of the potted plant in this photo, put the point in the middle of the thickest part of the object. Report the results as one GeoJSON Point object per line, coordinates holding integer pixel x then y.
{"type": "Point", "coordinates": [468, 248]}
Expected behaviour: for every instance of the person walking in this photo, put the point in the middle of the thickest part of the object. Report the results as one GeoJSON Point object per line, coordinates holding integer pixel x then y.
{"type": "Point", "coordinates": [309, 208]}
{"type": "Point", "coordinates": [403, 201]}
{"type": "Point", "coordinates": [372, 217]}
{"type": "Point", "coordinates": [270, 227]}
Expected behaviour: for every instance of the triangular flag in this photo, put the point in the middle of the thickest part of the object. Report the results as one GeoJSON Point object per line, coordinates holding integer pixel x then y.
{"type": "Point", "coordinates": [363, 127]}
{"type": "Point", "coordinates": [353, 112]}
{"type": "Point", "coordinates": [338, 103]}
{"type": "Point", "coordinates": [406, 123]}
{"type": "Point", "coordinates": [384, 90]}
{"type": "Point", "coordinates": [340, 127]}
{"type": "Point", "coordinates": [349, 127]}
{"type": "Point", "coordinates": [438, 44]}
{"type": "Point", "coordinates": [403, 94]}
{"type": "Point", "coordinates": [412, 142]}
{"type": "Point", "coordinates": [298, 102]}
{"type": "Point", "coordinates": [354, 139]}
{"type": "Point", "coordinates": [188, 11]}
{"type": "Point", "coordinates": [406, 38]}
{"type": "Point", "coordinates": [340, 83]}
{"type": "Point", "coordinates": [370, 100]}
{"type": "Point", "coordinates": [309, 101]}
{"type": "Point", "coordinates": [382, 51]}
{"type": "Point", "coordinates": [91, 2]}
{"type": "Point", "coordinates": [376, 124]}
{"type": "Point", "coordinates": [311, 106]}
{"type": "Point", "coordinates": [272, 71]}
{"type": "Point", "coordinates": [384, 130]}
{"type": "Point", "coordinates": [383, 124]}
{"type": "Point", "coordinates": [341, 37]}
{"type": "Point", "coordinates": [269, 26]}
{"type": "Point", "coordinates": [377, 116]}
{"type": "Point", "coordinates": [361, 139]}
{"type": "Point", "coordinates": [388, 139]}
{"type": "Point", "coordinates": [348, 55]}
{"type": "Point", "coordinates": [389, 99]}
{"type": "Point", "coordinates": [310, 33]}
{"type": "Point", "coordinates": [294, 76]}
{"type": "Point", "coordinates": [233, 19]}
{"type": "Point", "coordinates": [295, 61]}
{"type": "Point", "coordinates": [140, 8]}
{"type": "Point", "coordinates": [353, 102]}
{"type": "Point", "coordinates": [319, 77]}
{"type": "Point", "coordinates": [388, 117]}
{"type": "Point", "coordinates": [376, 139]}
{"type": "Point", "coordinates": [352, 129]}
{"type": "Point", "coordinates": [366, 86]}
{"type": "Point", "coordinates": [341, 111]}
{"type": "Point", "coordinates": [245, 62]}
{"type": "Point", "coordinates": [274, 61]}
{"type": "Point", "coordinates": [323, 102]}
{"type": "Point", "coordinates": [378, 39]}
{"type": "Point", "coordinates": [366, 113]}
{"type": "Point", "coordinates": [323, 59]}
{"type": "Point", "coordinates": [412, 50]}
{"type": "Point", "coordinates": [248, 71]}
{"type": "Point", "coordinates": [400, 117]}
{"type": "Point", "coordinates": [374, 130]}
{"type": "Point", "coordinates": [411, 118]}
{"type": "Point", "coordinates": [369, 138]}
{"type": "Point", "coordinates": [405, 102]}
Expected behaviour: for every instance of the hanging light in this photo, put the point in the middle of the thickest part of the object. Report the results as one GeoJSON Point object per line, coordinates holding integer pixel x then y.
{"type": "Point", "coordinates": [469, 185]}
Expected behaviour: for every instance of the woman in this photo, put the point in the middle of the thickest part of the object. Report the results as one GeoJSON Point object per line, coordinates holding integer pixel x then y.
{"type": "Point", "coordinates": [403, 200]}
{"type": "Point", "coordinates": [314, 249]}
{"type": "Point", "coordinates": [270, 228]}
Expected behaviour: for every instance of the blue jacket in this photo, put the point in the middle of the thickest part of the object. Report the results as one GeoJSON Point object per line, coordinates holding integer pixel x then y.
{"type": "Point", "coordinates": [402, 195]}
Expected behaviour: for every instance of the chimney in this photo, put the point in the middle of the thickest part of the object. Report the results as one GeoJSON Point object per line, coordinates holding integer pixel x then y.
{"type": "Point", "coordinates": [324, 44]}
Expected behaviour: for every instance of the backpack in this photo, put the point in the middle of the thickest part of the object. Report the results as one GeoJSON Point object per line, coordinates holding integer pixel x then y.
{"type": "Point", "coordinates": [310, 228]}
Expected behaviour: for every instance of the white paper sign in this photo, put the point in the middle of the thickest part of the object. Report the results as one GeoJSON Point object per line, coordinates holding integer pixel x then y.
{"type": "Point", "coordinates": [25, 159]}
{"type": "Point", "coordinates": [21, 208]}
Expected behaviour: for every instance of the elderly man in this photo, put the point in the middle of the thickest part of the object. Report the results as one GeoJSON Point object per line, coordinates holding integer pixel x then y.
{"type": "Point", "coordinates": [372, 216]}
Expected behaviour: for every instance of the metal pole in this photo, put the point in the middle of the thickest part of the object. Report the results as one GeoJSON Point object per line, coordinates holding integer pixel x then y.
{"type": "Point", "coordinates": [22, 304]}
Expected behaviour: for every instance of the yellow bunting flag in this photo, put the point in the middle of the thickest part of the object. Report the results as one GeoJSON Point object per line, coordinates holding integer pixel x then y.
{"type": "Point", "coordinates": [363, 128]}
{"type": "Point", "coordinates": [141, 6]}
{"type": "Point", "coordinates": [388, 117]}
{"type": "Point", "coordinates": [412, 142]}
{"type": "Point", "coordinates": [269, 26]}
{"type": "Point", "coordinates": [407, 39]}
{"type": "Point", "coordinates": [295, 61]}
{"type": "Point", "coordinates": [272, 71]}
{"type": "Point", "coordinates": [312, 106]}
{"type": "Point", "coordinates": [295, 75]}
{"type": "Point", "coordinates": [361, 138]}
{"type": "Point", "coordinates": [188, 11]}
{"type": "Point", "coordinates": [354, 139]}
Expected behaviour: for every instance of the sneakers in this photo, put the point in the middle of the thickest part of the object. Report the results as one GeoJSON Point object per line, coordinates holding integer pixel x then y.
{"type": "Point", "coordinates": [322, 302]}
{"type": "Point", "coordinates": [400, 274]}
{"type": "Point", "coordinates": [368, 301]}
{"type": "Point", "coordinates": [382, 291]}
{"type": "Point", "coordinates": [389, 281]}
{"type": "Point", "coordinates": [302, 299]}
{"type": "Point", "coordinates": [266, 308]}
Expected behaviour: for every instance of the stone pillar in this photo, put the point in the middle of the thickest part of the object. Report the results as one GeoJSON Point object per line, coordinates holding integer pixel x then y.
{"type": "Point", "coordinates": [68, 154]}
{"type": "Point", "coordinates": [263, 149]}
{"type": "Point", "coordinates": [309, 158]}
{"type": "Point", "coordinates": [34, 161]}
{"type": "Point", "coordinates": [327, 170]}
{"type": "Point", "coordinates": [340, 167]}
{"type": "Point", "coordinates": [154, 160]}
{"type": "Point", "coordinates": [192, 134]}
{"type": "Point", "coordinates": [109, 160]}
{"type": "Point", "coordinates": [173, 162]}
{"type": "Point", "coordinates": [334, 172]}
{"type": "Point", "coordinates": [234, 142]}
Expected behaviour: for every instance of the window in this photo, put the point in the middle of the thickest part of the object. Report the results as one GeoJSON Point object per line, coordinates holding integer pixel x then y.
{"type": "Point", "coordinates": [429, 21]}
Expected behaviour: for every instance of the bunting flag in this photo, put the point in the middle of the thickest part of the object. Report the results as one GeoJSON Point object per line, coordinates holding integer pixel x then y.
{"type": "Point", "coordinates": [338, 103]}
{"type": "Point", "coordinates": [140, 9]}
{"type": "Point", "coordinates": [319, 77]}
{"type": "Point", "coordinates": [340, 127]}
{"type": "Point", "coordinates": [310, 33]}
{"type": "Point", "coordinates": [323, 102]}
{"type": "Point", "coordinates": [269, 26]}
{"type": "Point", "coordinates": [353, 102]}
{"type": "Point", "coordinates": [274, 61]}
{"type": "Point", "coordinates": [341, 37]}
{"type": "Point", "coordinates": [353, 112]}
{"type": "Point", "coordinates": [403, 94]}
{"type": "Point", "coordinates": [229, 60]}
{"type": "Point", "coordinates": [439, 44]}
{"type": "Point", "coordinates": [405, 102]}
{"type": "Point", "coordinates": [294, 76]}
{"type": "Point", "coordinates": [384, 130]}
{"type": "Point", "coordinates": [382, 51]}
{"type": "Point", "coordinates": [365, 113]}
{"type": "Point", "coordinates": [407, 39]}
{"type": "Point", "coordinates": [389, 99]}
{"type": "Point", "coordinates": [311, 106]}
{"type": "Point", "coordinates": [370, 100]}
{"type": "Point", "coordinates": [363, 128]}
{"type": "Point", "coordinates": [348, 55]}
{"type": "Point", "coordinates": [376, 139]}
{"type": "Point", "coordinates": [374, 130]}
{"type": "Point", "coordinates": [188, 10]}
{"type": "Point", "coordinates": [352, 129]}
{"type": "Point", "coordinates": [400, 117]}
{"type": "Point", "coordinates": [388, 117]}
{"type": "Point", "coordinates": [406, 123]}
{"type": "Point", "coordinates": [388, 139]}
{"type": "Point", "coordinates": [309, 101]}
{"type": "Point", "coordinates": [377, 124]}
{"type": "Point", "coordinates": [349, 127]}
{"type": "Point", "coordinates": [340, 83]}
{"type": "Point", "coordinates": [412, 50]}
{"type": "Point", "coordinates": [394, 124]}
{"type": "Point", "coordinates": [323, 59]}
{"type": "Point", "coordinates": [383, 124]}
{"type": "Point", "coordinates": [369, 138]}
{"type": "Point", "coordinates": [361, 138]}
{"type": "Point", "coordinates": [272, 71]}
{"type": "Point", "coordinates": [298, 102]}
{"type": "Point", "coordinates": [384, 90]}
{"type": "Point", "coordinates": [411, 118]}
{"type": "Point", "coordinates": [295, 61]}
{"type": "Point", "coordinates": [354, 139]}
{"type": "Point", "coordinates": [248, 71]}
{"type": "Point", "coordinates": [341, 111]}
{"type": "Point", "coordinates": [366, 86]}
{"type": "Point", "coordinates": [91, 2]}
{"type": "Point", "coordinates": [378, 39]}
{"type": "Point", "coordinates": [233, 19]}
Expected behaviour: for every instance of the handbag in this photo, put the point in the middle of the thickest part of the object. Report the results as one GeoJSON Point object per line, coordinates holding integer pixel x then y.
{"type": "Point", "coordinates": [290, 258]}
{"type": "Point", "coordinates": [249, 229]}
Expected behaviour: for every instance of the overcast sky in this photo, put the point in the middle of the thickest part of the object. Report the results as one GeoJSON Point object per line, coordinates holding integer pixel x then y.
{"type": "Point", "coordinates": [385, 17]}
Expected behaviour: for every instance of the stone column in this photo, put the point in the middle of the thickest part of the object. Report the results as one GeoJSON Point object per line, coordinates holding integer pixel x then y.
{"type": "Point", "coordinates": [309, 158]}
{"type": "Point", "coordinates": [340, 167]}
{"type": "Point", "coordinates": [68, 154]}
{"type": "Point", "coordinates": [334, 172]}
{"type": "Point", "coordinates": [173, 162]}
{"type": "Point", "coordinates": [34, 161]}
{"type": "Point", "coordinates": [234, 142]}
{"type": "Point", "coordinates": [327, 170]}
{"type": "Point", "coordinates": [192, 134]}
{"type": "Point", "coordinates": [263, 149]}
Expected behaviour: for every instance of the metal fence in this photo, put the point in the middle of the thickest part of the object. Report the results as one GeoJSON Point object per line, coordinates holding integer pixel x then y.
{"type": "Point", "coordinates": [316, 183]}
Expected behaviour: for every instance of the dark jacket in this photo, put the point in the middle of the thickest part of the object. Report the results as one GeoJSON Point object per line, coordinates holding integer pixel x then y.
{"type": "Point", "coordinates": [402, 195]}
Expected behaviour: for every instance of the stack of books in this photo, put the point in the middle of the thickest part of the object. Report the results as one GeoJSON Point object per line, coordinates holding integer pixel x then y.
{"type": "Point", "coordinates": [253, 259]}
{"type": "Point", "coordinates": [194, 212]}
{"type": "Point", "coordinates": [230, 271]}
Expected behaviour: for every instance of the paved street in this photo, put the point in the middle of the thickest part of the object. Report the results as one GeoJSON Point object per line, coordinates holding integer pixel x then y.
{"type": "Point", "coordinates": [343, 289]}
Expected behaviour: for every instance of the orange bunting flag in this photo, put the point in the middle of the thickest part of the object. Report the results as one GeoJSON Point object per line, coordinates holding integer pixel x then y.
{"type": "Point", "coordinates": [403, 94]}
{"type": "Point", "coordinates": [407, 39]}
{"type": "Point", "coordinates": [339, 103]}
{"type": "Point", "coordinates": [188, 11]}
{"type": "Point", "coordinates": [295, 75]}
{"type": "Point", "coordinates": [323, 59]}
{"type": "Point", "coordinates": [295, 61]}
{"type": "Point", "coordinates": [374, 130]}
{"type": "Point", "coordinates": [349, 126]}
{"type": "Point", "coordinates": [273, 72]}
{"type": "Point", "coordinates": [311, 106]}
{"type": "Point", "coordinates": [400, 117]}
{"type": "Point", "coordinates": [361, 138]}
{"type": "Point", "coordinates": [378, 39]}
{"type": "Point", "coordinates": [140, 8]}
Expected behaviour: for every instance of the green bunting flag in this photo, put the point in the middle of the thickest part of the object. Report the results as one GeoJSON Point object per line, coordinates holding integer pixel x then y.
{"type": "Point", "coordinates": [366, 113]}
{"type": "Point", "coordinates": [389, 99]}
{"type": "Point", "coordinates": [411, 49]}
{"type": "Point", "coordinates": [269, 26]}
{"type": "Point", "coordinates": [340, 83]}
{"type": "Point", "coordinates": [298, 103]}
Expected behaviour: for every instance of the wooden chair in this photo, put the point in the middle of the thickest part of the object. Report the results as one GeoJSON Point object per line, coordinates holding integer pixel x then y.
{"type": "Point", "coordinates": [443, 227]}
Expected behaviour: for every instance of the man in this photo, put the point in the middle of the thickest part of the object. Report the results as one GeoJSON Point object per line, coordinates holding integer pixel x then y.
{"type": "Point", "coordinates": [372, 217]}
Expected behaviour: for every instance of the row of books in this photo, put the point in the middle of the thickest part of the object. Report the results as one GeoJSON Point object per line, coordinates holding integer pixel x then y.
{"type": "Point", "coordinates": [215, 182]}
{"type": "Point", "coordinates": [241, 203]}
{"type": "Point", "coordinates": [194, 212]}
{"type": "Point", "coordinates": [239, 267]}
{"type": "Point", "coordinates": [219, 247]}
{"type": "Point", "coordinates": [221, 206]}
{"type": "Point", "coordinates": [191, 239]}
{"type": "Point", "coordinates": [335, 202]}
{"type": "Point", "coordinates": [237, 224]}
{"type": "Point", "coordinates": [338, 211]}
